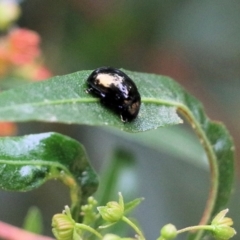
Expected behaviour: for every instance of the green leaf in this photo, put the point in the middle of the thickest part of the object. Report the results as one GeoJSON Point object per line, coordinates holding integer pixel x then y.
{"type": "Point", "coordinates": [116, 172]}
{"type": "Point", "coordinates": [63, 99]}
{"type": "Point", "coordinates": [175, 141]}
{"type": "Point", "coordinates": [33, 221]}
{"type": "Point", "coordinates": [11, 82]}
{"type": "Point", "coordinates": [29, 161]}
{"type": "Point", "coordinates": [132, 205]}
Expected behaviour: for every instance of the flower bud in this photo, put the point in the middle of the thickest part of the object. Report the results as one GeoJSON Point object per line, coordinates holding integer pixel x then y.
{"type": "Point", "coordinates": [222, 229]}
{"type": "Point", "coordinates": [23, 46]}
{"type": "Point", "coordinates": [223, 232]}
{"type": "Point", "coordinates": [92, 201]}
{"type": "Point", "coordinates": [112, 212]}
{"type": "Point", "coordinates": [111, 237]}
{"type": "Point", "coordinates": [63, 225]}
{"type": "Point", "coordinates": [9, 12]}
{"type": "Point", "coordinates": [168, 232]}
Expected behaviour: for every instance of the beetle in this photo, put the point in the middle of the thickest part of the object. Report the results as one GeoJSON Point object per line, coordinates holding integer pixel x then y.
{"type": "Point", "coordinates": [116, 91]}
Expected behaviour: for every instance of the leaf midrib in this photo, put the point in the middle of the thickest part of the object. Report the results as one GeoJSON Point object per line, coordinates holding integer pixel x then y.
{"type": "Point", "coordinates": [35, 162]}
{"type": "Point", "coordinates": [87, 100]}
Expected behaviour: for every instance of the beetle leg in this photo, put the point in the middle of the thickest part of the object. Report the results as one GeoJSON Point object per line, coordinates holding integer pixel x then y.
{"type": "Point", "coordinates": [89, 90]}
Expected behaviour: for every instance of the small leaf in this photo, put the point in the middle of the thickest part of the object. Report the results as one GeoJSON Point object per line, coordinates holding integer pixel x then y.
{"type": "Point", "coordinates": [33, 221]}
{"type": "Point", "coordinates": [116, 172]}
{"type": "Point", "coordinates": [132, 205]}
{"type": "Point", "coordinates": [29, 161]}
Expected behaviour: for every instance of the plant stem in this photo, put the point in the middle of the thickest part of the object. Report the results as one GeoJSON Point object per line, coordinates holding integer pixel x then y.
{"type": "Point", "coordinates": [89, 229]}
{"type": "Point", "coordinates": [212, 159]}
{"type": "Point", "coordinates": [198, 227]}
{"type": "Point", "coordinates": [137, 230]}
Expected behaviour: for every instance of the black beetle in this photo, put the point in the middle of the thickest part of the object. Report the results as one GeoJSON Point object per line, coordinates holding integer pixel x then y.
{"type": "Point", "coordinates": [116, 90]}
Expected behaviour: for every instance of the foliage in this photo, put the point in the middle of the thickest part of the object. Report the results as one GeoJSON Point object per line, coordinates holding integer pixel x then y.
{"type": "Point", "coordinates": [38, 158]}
{"type": "Point", "coordinates": [27, 162]}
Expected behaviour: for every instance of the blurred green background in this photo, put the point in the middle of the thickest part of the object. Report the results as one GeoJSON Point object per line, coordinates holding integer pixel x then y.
{"type": "Point", "coordinates": [195, 42]}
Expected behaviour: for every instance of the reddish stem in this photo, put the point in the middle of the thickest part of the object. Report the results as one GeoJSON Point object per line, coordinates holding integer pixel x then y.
{"type": "Point", "coordinates": [9, 232]}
